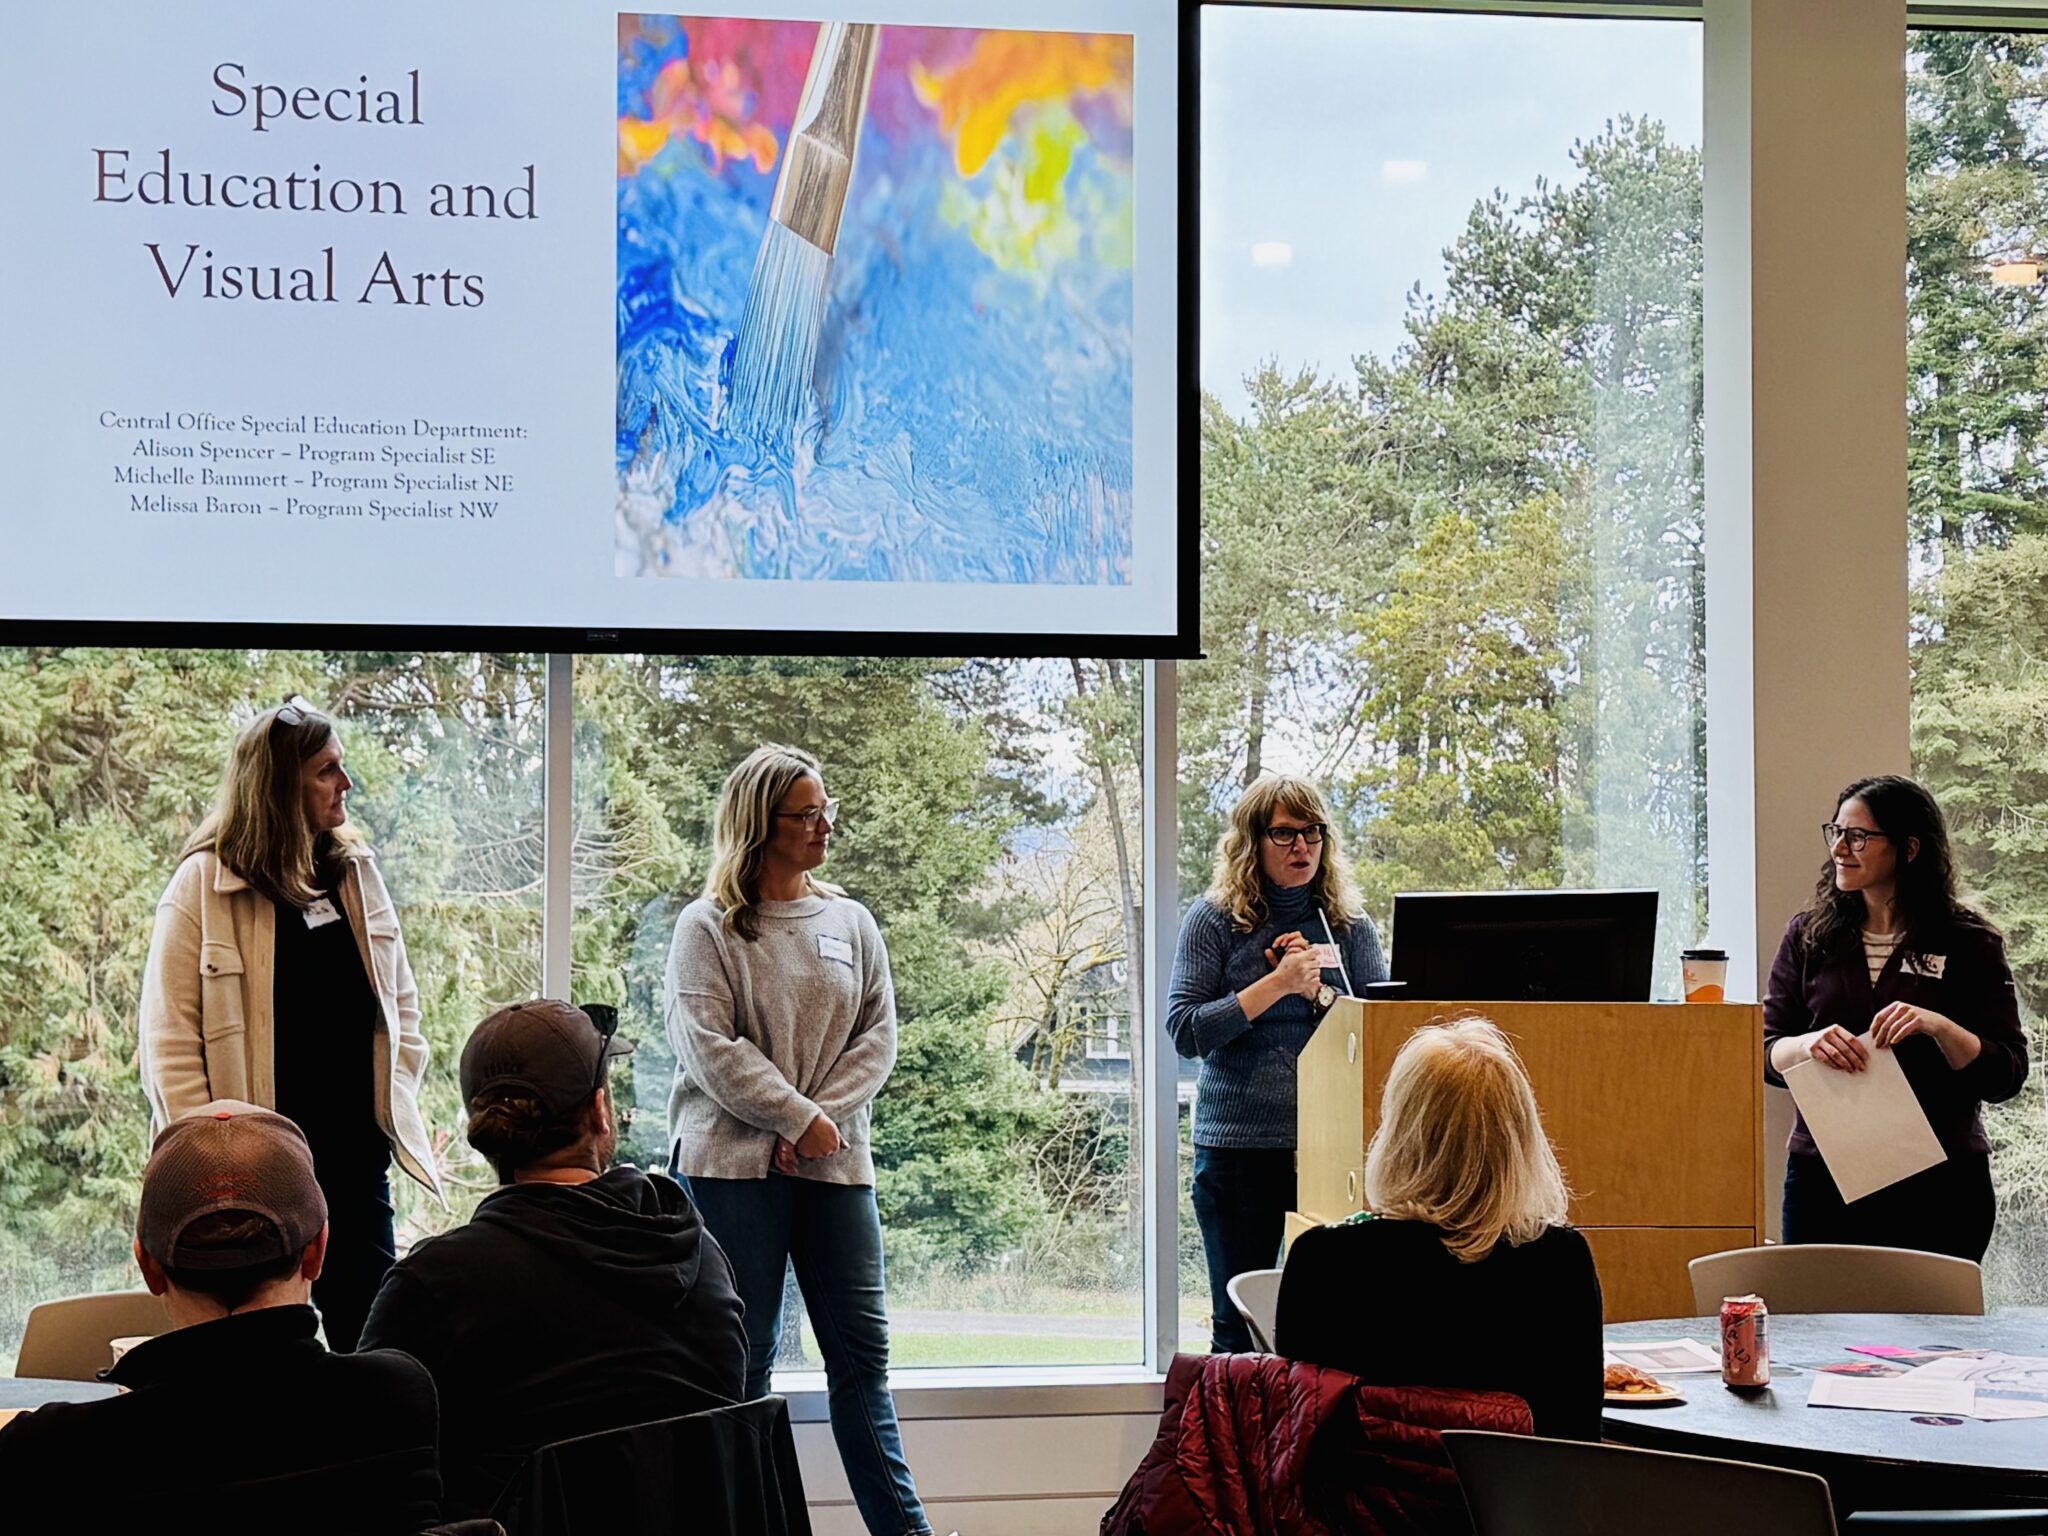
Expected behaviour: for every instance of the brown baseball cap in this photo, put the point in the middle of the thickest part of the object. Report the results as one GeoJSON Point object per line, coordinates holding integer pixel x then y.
{"type": "Point", "coordinates": [229, 1156]}
{"type": "Point", "coordinates": [551, 1049]}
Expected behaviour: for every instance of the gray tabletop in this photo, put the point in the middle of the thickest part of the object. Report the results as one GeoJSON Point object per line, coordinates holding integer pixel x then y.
{"type": "Point", "coordinates": [35, 1391]}
{"type": "Point", "coordinates": [1776, 1426]}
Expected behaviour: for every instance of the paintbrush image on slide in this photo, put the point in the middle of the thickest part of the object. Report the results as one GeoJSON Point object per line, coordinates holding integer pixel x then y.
{"type": "Point", "coordinates": [776, 351]}
{"type": "Point", "coordinates": [875, 302]}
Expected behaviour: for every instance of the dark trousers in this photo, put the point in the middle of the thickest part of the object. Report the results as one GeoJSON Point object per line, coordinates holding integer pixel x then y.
{"type": "Point", "coordinates": [1242, 1196]}
{"type": "Point", "coordinates": [361, 1247]}
{"type": "Point", "coordinates": [1949, 1208]}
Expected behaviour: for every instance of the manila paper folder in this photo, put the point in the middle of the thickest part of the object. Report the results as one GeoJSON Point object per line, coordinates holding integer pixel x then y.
{"type": "Point", "coordinates": [1869, 1127]}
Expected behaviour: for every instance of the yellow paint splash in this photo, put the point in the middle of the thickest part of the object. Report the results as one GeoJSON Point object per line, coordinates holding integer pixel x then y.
{"type": "Point", "coordinates": [977, 98]}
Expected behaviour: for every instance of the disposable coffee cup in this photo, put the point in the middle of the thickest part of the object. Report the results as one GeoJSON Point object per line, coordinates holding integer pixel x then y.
{"type": "Point", "coordinates": [1706, 975]}
{"type": "Point", "coordinates": [122, 1345]}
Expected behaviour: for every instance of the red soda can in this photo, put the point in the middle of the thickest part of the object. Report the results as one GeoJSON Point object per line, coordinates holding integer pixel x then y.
{"type": "Point", "coordinates": [1745, 1341]}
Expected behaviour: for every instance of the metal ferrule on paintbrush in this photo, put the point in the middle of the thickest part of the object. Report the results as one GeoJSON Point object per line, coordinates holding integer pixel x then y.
{"type": "Point", "coordinates": [817, 167]}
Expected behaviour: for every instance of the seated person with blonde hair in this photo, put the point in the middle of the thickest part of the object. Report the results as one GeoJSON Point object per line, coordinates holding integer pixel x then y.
{"type": "Point", "coordinates": [1462, 1272]}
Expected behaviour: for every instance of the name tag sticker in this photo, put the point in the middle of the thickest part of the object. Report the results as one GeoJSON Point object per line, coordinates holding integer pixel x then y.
{"type": "Point", "coordinates": [1326, 956]}
{"type": "Point", "coordinates": [832, 947]}
{"type": "Point", "coordinates": [1926, 965]}
{"type": "Point", "coordinates": [321, 913]}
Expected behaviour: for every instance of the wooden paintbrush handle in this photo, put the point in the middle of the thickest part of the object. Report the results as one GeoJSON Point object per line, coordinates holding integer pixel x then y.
{"type": "Point", "coordinates": [817, 166]}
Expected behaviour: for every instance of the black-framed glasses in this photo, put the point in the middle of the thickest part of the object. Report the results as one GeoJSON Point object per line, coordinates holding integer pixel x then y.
{"type": "Point", "coordinates": [1858, 838]}
{"type": "Point", "coordinates": [1287, 837]}
{"type": "Point", "coordinates": [606, 1017]}
{"type": "Point", "coordinates": [810, 816]}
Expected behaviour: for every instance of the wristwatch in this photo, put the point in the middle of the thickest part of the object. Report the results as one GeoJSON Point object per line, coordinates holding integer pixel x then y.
{"type": "Point", "coordinates": [1326, 998]}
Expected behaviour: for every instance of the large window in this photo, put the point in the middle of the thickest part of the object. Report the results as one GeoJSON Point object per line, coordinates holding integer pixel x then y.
{"type": "Point", "coordinates": [107, 761]}
{"type": "Point", "coordinates": [1977, 412]}
{"type": "Point", "coordinates": [1451, 487]}
{"type": "Point", "coordinates": [992, 823]}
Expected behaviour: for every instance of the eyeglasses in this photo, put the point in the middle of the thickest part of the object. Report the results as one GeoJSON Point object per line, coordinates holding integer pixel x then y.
{"type": "Point", "coordinates": [606, 1018]}
{"type": "Point", "coordinates": [1287, 837]}
{"type": "Point", "coordinates": [811, 815]}
{"type": "Point", "coordinates": [293, 711]}
{"type": "Point", "coordinates": [1857, 838]}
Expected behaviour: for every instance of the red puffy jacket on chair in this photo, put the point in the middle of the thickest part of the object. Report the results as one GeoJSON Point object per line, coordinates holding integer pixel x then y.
{"type": "Point", "coordinates": [1254, 1445]}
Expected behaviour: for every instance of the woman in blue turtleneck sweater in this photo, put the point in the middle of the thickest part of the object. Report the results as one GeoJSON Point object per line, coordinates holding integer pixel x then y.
{"type": "Point", "coordinates": [1252, 978]}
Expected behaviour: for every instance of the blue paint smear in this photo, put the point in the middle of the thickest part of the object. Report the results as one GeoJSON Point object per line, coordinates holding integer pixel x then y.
{"type": "Point", "coordinates": [972, 425]}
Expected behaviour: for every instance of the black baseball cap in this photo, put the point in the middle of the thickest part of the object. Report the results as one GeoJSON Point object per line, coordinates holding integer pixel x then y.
{"type": "Point", "coordinates": [552, 1050]}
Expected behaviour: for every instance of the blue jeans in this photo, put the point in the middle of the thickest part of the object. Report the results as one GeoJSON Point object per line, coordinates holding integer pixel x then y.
{"type": "Point", "coordinates": [1241, 1197]}
{"type": "Point", "coordinates": [832, 1233]}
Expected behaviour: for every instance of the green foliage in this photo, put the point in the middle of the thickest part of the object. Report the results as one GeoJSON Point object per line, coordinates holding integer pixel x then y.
{"type": "Point", "coordinates": [1977, 412]}
{"type": "Point", "coordinates": [1465, 592]}
{"type": "Point", "coordinates": [108, 758]}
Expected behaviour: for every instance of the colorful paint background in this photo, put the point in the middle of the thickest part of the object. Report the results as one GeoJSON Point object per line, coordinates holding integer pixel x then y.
{"type": "Point", "coordinates": [975, 363]}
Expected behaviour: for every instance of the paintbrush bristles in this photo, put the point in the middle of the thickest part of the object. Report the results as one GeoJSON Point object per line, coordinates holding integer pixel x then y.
{"type": "Point", "coordinates": [778, 342]}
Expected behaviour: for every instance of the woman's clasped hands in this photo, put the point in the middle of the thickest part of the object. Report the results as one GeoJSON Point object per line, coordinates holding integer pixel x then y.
{"type": "Point", "coordinates": [1836, 1047]}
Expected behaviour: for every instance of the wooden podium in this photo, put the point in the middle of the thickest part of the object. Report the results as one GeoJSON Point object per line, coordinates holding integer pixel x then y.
{"type": "Point", "coordinates": [1656, 1111]}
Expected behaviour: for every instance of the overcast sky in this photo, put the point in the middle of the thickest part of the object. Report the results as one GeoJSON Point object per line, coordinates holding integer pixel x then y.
{"type": "Point", "coordinates": [1343, 149]}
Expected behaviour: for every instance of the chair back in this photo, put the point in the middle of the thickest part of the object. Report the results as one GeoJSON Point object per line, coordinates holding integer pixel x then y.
{"type": "Point", "coordinates": [1519, 1486]}
{"type": "Point", "coordinates": [70, 1339]}
{"type": "Point", "coordinates": [1256, 1295]}
{"type": "Point", "coordinates": [729, 1471]}
{"type": "Point", "coordinates": [1839, 1277]}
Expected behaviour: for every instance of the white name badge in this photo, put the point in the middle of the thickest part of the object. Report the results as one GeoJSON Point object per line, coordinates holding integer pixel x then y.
{"type": "Point", "coordinates": [321, 913]}
{"type": "Point", "coordinates": [832, 947]}
{"type": "Point", "coordinates": [1326, 956]}
{"type": "Point", "coordinates": [1925, 965]}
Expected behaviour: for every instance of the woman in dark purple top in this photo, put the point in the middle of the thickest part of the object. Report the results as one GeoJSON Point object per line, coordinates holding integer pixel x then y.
{"type": "Point", "coordinates": [1887, 956]}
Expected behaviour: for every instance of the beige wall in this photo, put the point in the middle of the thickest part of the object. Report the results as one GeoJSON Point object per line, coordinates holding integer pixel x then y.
{"type": "Point", "coordinates": [1807, 684]}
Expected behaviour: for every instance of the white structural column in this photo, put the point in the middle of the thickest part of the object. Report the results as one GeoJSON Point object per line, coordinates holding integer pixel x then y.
{"type": "Point", "coordinates": [1807, 684]}
{"type": "Point", "coordinates": [557, 802]}
{"type": "Point", "coordinates": [1161, 1066]}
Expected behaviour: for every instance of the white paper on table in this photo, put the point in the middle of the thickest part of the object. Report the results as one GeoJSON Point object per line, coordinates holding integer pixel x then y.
{"type": "Point", "coordinates": [1668, 1357]}
{"type": "Point", "coordinates": [1994, 1408]}
{"type": "Point", "coordinates": [2007, 1386]}
{"type": "Point", "coordinates": [1892, 1394]}
{"type": "Point", "coordinates": [1869, 1127]}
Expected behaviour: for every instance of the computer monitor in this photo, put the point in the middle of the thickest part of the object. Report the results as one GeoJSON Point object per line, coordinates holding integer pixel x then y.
{"type": "Point", "coordinates": [1525, 946]}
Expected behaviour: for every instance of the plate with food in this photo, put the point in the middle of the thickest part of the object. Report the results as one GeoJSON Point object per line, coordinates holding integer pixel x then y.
{"type": "Point", "coordinates": [1627, 1387]}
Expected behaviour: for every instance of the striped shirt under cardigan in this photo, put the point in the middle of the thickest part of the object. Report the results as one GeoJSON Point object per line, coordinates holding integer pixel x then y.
{"type": "Point", "coordinates": [1245, 1095]}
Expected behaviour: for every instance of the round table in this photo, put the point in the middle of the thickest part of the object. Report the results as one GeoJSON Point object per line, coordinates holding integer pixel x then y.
{"type": "Point", "coordinates": [1872, 1460]}
{"type": "Point", "coordinates": [19, 1392]}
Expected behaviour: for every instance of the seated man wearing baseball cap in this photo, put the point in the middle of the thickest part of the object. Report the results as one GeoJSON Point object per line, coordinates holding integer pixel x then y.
{"type": "Point", "coordinates": [580, 1297]}
{"type": "Point", "coordinates": [238, 1416]}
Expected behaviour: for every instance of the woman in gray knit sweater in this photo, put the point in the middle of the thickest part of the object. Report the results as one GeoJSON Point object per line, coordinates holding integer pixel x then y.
{"type": "Point", "coordinates": [784, 1029]}
{"type": "Point", "coordinates": [1280, 934]}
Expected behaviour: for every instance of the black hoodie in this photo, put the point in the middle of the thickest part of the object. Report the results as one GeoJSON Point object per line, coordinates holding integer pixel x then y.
{"type": "Point", "coordinates": [562, 1310]}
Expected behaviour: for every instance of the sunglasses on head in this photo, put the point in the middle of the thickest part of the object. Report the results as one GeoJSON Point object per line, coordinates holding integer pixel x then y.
{"type": "Point", "coordinates": [606, 1017]}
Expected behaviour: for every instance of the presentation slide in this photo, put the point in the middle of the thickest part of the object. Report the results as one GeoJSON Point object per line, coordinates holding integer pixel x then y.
{"type": "Point", "coordinates": [538, 313]}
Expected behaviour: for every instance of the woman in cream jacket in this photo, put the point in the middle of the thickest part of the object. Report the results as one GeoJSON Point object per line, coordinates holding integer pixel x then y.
{"type": "Point", "coordinates": [277, 975]}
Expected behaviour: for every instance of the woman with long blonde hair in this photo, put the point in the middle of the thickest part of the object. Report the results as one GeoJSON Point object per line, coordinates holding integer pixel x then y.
{"type": "Point", "coordinates": [1278, 937]}
{"type": "Point", "coordinates": [277, 975]}
{"type": "Point", "coordinates": [783, 1022]}
{"type": "Point", "coordinates": [1461, 1272]}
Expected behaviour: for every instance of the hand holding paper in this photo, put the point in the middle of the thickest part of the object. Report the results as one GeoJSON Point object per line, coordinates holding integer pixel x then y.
{"type": "Point", "coordinates": [1869, 1127]}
